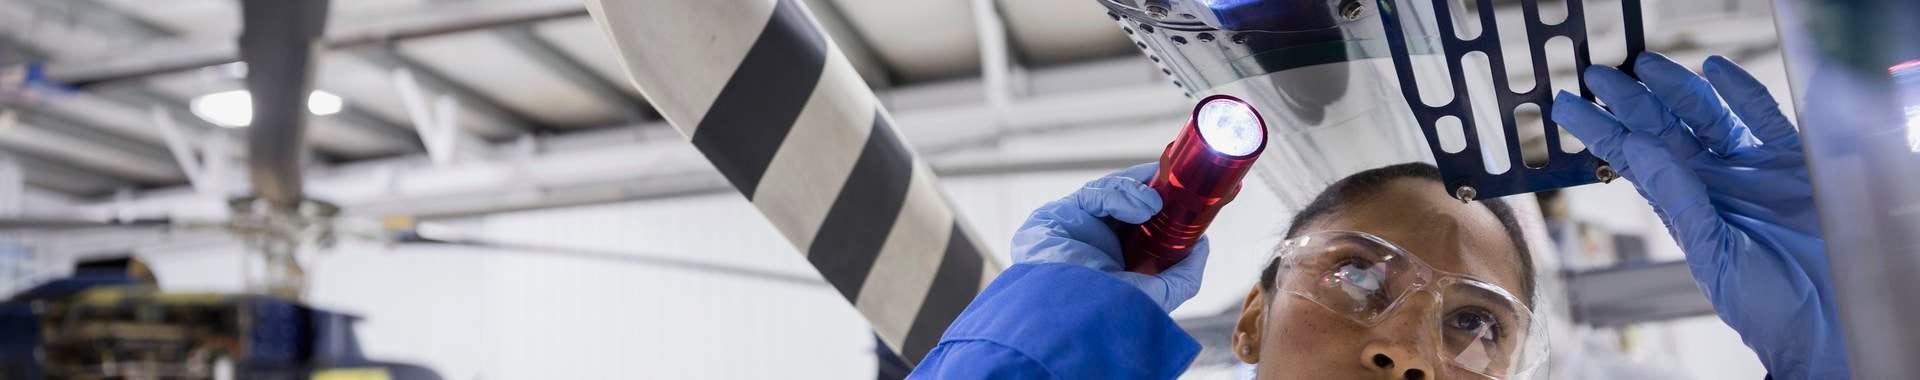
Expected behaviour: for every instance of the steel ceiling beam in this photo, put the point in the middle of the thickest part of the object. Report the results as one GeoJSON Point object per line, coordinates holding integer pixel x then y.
{"type": "Point", "coordinates": [380, 125]}
{"type": "Point", "coordinates": [587, 167]}
{"type": "Point", "coordinates": [141, 96]}
{"type": "Point", "coordinates": [88, 149]}
{"type": "Point", "coordinates": [106, 19]}
{"type": "Point", "coordinates": [147, 30]}
{"type": "Point", "coordinates": [429, 21]}
{"type": "Point", "coordinates": [388, 58]}
{"type": "Point", "coordinates": [101, 17]}
{"type": "Point", "coordinates": [853, 44]}
{"type": "Point", "coordinates": [18, 51]}
{"type": "Point", "coordinates": [54, 174]}
{"type": "Point", "coordinates": [74, 162]}
{"type": "Point", "coordinates": [632, 108]}
{"type": "Point", "coordinates": [94, 134]}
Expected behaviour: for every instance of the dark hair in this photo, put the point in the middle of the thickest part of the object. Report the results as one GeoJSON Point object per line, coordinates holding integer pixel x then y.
{"type": "Point", "coordinates": [1360, 186]}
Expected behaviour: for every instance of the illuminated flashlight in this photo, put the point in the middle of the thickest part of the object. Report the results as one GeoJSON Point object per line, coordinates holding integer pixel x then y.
{"type": "Point", "coordinates": [1199, 173]}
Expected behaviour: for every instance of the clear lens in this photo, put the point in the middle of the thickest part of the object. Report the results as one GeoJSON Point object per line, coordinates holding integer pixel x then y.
{"type": "Point", "coordinates": [1230, 127]}
{"type": "Point", "coordinates": [1486, 330]}
{"type": "Point", "coordinates": [1480, 327]}
{"type": "Point", "coordinates": [1350, 274]}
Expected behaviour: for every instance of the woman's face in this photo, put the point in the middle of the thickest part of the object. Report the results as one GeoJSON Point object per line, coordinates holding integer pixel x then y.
{"type": "Point", "coordinates": [1289, 337]}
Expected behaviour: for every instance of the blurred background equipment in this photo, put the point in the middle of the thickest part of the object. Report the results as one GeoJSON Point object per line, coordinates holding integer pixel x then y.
{"type": "Point", "coordinates": [108, 320]}
{"type": "Point", "coordinates": [485, 185]}
{"type": "Point", "coordinates": [1860, 87]}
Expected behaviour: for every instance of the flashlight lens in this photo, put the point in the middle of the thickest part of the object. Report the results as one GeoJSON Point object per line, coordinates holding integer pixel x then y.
{"type": "Point", "coordinates": [1230, 127]}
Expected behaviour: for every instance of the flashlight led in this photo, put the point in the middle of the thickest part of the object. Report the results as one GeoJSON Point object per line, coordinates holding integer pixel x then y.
{"type": "Point", "coordinates": [1230, 127]}
{"type": "Point", "coordinates": [1199, 173]}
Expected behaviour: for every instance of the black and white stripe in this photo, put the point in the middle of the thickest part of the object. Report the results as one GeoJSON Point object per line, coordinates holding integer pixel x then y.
{"type": "Point", "coordinates": [794, 128]}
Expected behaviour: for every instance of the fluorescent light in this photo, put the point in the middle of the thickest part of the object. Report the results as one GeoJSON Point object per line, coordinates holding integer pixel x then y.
{"type": "Point", "coordinates": [234, 109]}
{"type": "Point", "coordinates": [231, 109]}
{"type": "Point", "coordinates": [323, 103]}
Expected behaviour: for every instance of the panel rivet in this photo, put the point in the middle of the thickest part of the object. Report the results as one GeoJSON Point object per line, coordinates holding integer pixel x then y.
{"type": "Point", "coordinates": [1157, 11]}
{"type": "Point", "coordinates": [1605, 173]}
{"type": "Point", "coordinates": [1351, 9]}
{"type": "Point", "coordinates": [1465, 193]}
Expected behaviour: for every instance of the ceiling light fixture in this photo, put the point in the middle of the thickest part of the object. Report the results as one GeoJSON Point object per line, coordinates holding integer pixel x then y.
{"type": "Point", "coordinates": [234, 109]}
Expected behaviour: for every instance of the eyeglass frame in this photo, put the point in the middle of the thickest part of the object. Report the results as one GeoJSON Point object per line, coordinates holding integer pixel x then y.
{"type": "Point", "coordinates": [1432, 280]}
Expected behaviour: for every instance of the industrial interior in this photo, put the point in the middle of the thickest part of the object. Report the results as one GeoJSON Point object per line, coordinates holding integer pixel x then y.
{"type": "Point", "coordinates": [554, 189]}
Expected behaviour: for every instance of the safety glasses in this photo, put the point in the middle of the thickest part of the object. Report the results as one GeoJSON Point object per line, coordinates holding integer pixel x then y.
{"type": "Point", "coordinates": [1465, 322]}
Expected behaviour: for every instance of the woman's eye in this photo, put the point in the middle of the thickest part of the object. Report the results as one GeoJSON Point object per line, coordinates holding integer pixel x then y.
{"type": "Point", "coordinates": [1362, 281]}
{"type": "Point", "coordinates": [1475, 320]}
{"type": "Point", "coordinates": [1359, 274]}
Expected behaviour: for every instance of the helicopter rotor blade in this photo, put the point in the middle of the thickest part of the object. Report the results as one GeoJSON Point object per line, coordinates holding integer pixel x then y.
{"type": "Point", "coordinates": [278, 41]}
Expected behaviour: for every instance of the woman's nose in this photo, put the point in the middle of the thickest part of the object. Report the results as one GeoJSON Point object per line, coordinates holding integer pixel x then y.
{"type": "Point", "coordinates": [1396, 360]}
{"type": "Point", "coordinates": [1395, 349]}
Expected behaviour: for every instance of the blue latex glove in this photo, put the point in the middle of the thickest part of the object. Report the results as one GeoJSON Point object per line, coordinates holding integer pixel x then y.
{"type": "Point", "coordinates": [1730, 182]}
{"type": "Point", "coordinates": [1073, 230]}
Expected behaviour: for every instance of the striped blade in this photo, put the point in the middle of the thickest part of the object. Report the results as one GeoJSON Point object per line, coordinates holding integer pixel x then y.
{"type": "Point", "coordinates": [771, 101]}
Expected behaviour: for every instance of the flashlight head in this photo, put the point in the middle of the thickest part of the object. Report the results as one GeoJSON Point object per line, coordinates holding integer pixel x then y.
{"type": "Point", "coordinates": [1230, 126]}
{"type": "Point", "coordinates": [1199, 173]}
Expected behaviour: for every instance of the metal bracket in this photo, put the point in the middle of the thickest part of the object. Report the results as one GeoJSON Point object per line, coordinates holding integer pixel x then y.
{"type": "Point", "coordinates": [209, 172]}
{"type": "Point", "coordinates": [1465, 171]}
{"type": "Point", "coordinates": [437, 124]}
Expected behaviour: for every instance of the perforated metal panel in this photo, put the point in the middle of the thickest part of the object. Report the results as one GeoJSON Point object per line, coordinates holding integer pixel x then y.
{"type": "Point", "coordinates": [1465, 171]}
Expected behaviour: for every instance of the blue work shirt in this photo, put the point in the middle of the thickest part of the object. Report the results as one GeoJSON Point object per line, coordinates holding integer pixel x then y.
{"type": "Point", "coordinates": [1060, 321]}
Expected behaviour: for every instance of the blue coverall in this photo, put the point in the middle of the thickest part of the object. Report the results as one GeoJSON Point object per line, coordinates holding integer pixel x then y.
{"type": "Point", "coordinates": [1092, 327]}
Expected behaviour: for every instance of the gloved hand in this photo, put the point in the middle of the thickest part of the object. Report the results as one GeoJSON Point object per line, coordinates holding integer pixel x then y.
{"type": "Point", "coordinates": [1073, 230]}
{"type": "Point", "coordinates": [1729, 181]}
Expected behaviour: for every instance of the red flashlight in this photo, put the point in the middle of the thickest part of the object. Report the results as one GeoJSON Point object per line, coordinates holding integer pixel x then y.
{"type": "Point", "coordinates": [1199, 173]}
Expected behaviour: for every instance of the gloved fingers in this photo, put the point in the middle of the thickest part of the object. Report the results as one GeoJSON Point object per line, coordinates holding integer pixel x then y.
{"type": "Point", "coordinates": [1752, 103]}
{"type": "Point", "coordinates": [1609, 140]}
{"type": "Point", "coordinates": [1636, 107]}
{"type": "Point", "coordinates": [1594, 126]}
{"type": "Point", "coordinates": [1175, 285]}
{"type": "Point", "coordinates": [1682, 197]}
{"type": "Point", "coordinates": [1046, 245]}
{"type": "Point", "coordinates": [1694, 101]}
{"type": "Point", "coordinates": [1142, 172]}
{"type": "Point", "coordinates": [1119, 196]}
{"type": "Point", "coordinates": [1156, 288]}
{"type": "Point", "coordinates": [1604, 136]}
{"type": "Point", "coordinates": [1061, 232]}
{"type": "Point", "coordinates": [1185, 275]}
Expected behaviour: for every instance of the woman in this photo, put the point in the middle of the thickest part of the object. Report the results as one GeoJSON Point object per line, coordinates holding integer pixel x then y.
{"type": "Point", "coordinates": [1384, 276]}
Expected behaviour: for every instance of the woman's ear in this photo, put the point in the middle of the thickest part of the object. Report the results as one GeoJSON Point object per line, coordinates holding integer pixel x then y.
{"type": "Point", "coordinates": [1246, 331]}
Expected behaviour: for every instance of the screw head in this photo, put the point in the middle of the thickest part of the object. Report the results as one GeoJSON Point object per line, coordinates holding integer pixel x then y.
{"type": "Point", "coordinates": [1465, 193]}
{"type": "Point", "coordinates": [1605, 173]}
{"type": "Point", "coordinates": [1156, 11]}
{"type": "Point", "coordinates": [1351, 9]}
